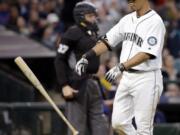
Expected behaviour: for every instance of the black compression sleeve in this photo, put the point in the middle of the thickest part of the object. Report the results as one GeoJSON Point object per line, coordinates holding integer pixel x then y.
{"type": "Point", "coordinates": [90, 54]}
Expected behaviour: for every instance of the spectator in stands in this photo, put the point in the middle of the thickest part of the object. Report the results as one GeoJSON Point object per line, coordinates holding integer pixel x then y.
{"type": "Point", "coordinates": [4, 13]}
{"type": "Point", "coordinates": [67, 13]}
{"type": "Point", "coordinates": [172, 90]}
{"type": "Point", "coordinates": [173, 40]}
{"type": "Point", "coordinates": [172, 94]}
{"type": "Point", "coordinates": [168, 10]}
{"type": "Point", "coordinates": [49, 6]}
{"type": "Point", "coordinates": [36, 25]}
{"type": "Point", "coordinates": [22, 27]}
{"type": "Point", "coordinates": [170, 13]}
{"type": "Point", "coordinates": [50, 34]}
{"type": "Point", "coordinates": [23, 7]}
{"type": "Point", "coordinates": [13, 16]}
{"type": "Point", "coordinates": [169, 71]}
{"type": "Point", "coordinates": [104, 22]}
{"type": "Point", "coordinates": [114, 11]}
{"type": "Point", "coordinates": [34, 5]}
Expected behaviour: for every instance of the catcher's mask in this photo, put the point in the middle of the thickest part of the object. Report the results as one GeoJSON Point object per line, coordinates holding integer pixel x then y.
{"type": "Point", "coordinates": [79, 12]}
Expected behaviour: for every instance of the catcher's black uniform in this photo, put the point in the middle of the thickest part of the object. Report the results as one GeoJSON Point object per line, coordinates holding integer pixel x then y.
{"type": "Point", "coordinates": [86, 107]}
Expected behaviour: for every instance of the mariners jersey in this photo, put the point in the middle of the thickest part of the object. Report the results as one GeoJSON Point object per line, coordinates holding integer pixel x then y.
{"type": "Point", "coordinates": [143, 34]}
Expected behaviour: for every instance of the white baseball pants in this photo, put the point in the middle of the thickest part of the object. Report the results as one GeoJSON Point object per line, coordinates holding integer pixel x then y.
{"type": "Point", "coordinates": [137, 96]}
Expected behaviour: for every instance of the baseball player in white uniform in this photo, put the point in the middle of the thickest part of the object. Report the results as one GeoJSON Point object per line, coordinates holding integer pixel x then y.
{"type": "Point", "coordinates": [142, 33]}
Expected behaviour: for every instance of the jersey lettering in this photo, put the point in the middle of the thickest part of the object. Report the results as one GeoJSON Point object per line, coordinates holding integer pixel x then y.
{"type": "Point", "coordinates": [134, 38]}
{"type": "Point", "coordinates": [63, 48]}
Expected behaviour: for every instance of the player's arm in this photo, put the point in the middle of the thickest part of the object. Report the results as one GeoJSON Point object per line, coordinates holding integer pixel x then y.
{"type": "Point", "coordinates": [101, 47]}
{"type": "Point", "coordinates": [107, 42]}
{"type": "Point", "coordinates": [61, 63]}
{"type": "Point", "coordinates": [139, 58]}
{"type": "Point", "coordinates": [136, 60]}
{"type": "Point", "coordinates": [111, 39]}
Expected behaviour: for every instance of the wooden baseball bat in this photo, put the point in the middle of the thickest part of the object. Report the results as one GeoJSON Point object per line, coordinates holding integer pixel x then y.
{"type": "Point", "coordinates": [33, 79]}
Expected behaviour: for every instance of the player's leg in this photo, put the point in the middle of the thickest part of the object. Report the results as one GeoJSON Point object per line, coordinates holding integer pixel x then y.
{"type": "Point", "coordinates": [123, 110]}
{"type": "Point", "coordinates": [97, 121]}
{"type": "Point", "coordinates": [146, 97]}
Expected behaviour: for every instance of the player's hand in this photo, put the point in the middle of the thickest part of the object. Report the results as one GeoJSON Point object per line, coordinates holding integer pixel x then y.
{"type": "Point", "coordinates": [68, 92]}
{"type": "Point", "coordinates": [81, 66]}
{"type": "Point", "coordinates": [113, 73]}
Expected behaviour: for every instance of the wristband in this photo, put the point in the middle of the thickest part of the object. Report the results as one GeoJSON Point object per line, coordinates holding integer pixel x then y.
{"type": "Point", "coordinates": [105, 41]}
{"type": "Point", "coordinates": [121, 67]}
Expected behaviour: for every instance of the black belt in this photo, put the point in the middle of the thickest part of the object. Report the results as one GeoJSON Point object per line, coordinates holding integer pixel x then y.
{"type": "Point", "coordinates": [134, 71]}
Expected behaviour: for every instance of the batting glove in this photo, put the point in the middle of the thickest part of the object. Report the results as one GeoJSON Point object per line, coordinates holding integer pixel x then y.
{"type": "Point", "coordinates": [114, 72]}
{"type": "Point", "coordinates": [81, 66]}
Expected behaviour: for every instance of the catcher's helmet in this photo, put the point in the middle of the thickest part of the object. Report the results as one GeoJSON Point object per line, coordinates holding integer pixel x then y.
{"type": "Point", "coordinates": [81, 9]}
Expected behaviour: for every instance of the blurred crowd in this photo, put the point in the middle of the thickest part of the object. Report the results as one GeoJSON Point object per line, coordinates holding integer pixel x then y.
{"type": "Point", "coordinates": [37, 19]}
{"type": "Point", "coordinates": [45, 21]}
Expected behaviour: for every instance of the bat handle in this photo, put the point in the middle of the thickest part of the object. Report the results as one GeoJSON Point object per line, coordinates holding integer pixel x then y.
{"type": "Point", "coordinates": [75, 132]}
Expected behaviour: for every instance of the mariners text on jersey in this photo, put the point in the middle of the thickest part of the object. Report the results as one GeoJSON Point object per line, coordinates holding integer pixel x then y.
{"type": "Point", "coordinates": [134, 38]}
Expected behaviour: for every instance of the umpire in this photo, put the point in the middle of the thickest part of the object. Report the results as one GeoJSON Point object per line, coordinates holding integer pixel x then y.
{"type": "Point", "coordinates": [84, 107]}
